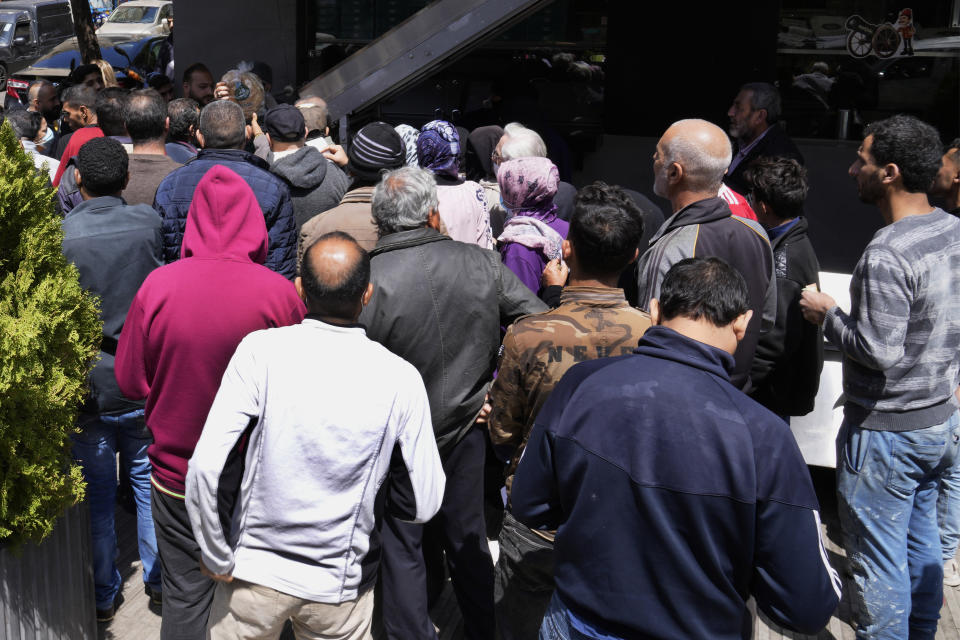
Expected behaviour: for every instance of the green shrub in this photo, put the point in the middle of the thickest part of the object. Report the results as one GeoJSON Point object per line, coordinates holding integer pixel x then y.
{"type": "Point", "coordinates": [49, 336]}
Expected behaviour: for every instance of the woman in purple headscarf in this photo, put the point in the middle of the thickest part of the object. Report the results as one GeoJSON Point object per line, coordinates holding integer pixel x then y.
{"type": "Point", "coordinates": [462, 206]}
{"type": "Point", "coordinates": [534, 234]}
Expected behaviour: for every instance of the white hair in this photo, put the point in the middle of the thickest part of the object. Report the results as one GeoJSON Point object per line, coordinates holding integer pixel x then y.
{"type": "Point", "coordinates": [403, 199]}
{"type": "Point", "coordinates": [704, 172]}
{"type": "Point", "coordinates": [521, 142]}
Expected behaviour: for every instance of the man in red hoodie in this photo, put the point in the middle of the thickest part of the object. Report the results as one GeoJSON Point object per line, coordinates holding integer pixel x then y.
{"type": "Point", "coordinates": [183, 326]}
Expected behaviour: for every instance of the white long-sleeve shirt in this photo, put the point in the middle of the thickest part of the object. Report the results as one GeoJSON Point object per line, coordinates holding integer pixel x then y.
{"type": "Point", "coordinates": [332, 418]}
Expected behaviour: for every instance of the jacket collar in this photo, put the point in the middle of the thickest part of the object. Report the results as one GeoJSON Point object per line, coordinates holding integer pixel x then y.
{"type": "Point", "coordinates": [667, 344]}
{"type": "Point", "coordinates": [234, 155]}
{"type": "Point", "coordinates": [95, 205]}
{"type": "Point", "coordinates": [314, 319]}
{"type": "Point", "coordinates": [407, 239]}
{"type": "Point", "coordinates": [795, 230]}
{"type": "Point", "coordinates": [700, 212]}
{"type": "Point", "coordinates": [593, 296]}
{"type": "Point", "coordinates": [360, 194]}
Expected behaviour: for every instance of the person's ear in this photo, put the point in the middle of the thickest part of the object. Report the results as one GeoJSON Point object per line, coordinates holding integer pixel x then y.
{"type": "Point", "coordinates": [654, 311]}
{"type": "Point", "coordinates": [78, 178]}
{"type": "Point", "coordinates": [566, 250]}
{"type": "Point", "coordinates": [890, 173]}
{"type": "Point", "coordinates": [675, 173]}
{"type": "Point", "coordinates": [200, 140]}
{"type": "Point", "coordinates": [84, 114]}
{"type": "Point", "coordinates": [636, 254]}
{"type": "Point", "coordinates": [166, 125]}
{"type": "Point", "coordinates": [433, 219]}
{"type": "Point", "coordinates": [326, 131]}
{"type": "Point", "coordinates": [365, 300]}
{"type": "Point", "coordinates": [248, 132]}
{"type": "Point", "coordinates": [740, 324]}
{"type": "Point", "coordinates": [298, 285]}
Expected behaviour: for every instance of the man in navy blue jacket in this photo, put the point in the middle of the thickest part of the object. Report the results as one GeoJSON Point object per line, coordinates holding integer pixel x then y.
{"type": "Point", "coordinates": [223, 134]}
{"type": "Point", "coordinates": [674, 495]}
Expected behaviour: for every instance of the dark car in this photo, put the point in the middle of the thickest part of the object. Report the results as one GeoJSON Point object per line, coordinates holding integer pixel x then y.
{"type": "Point", "coordinates": [29, 29]}
{"type": "Point", "coordinates": [131, 59]}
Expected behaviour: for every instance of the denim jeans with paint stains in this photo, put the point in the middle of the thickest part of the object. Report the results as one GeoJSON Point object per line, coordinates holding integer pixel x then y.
{"type": "Point", "coordinates": [948, 512]}
{"type": "Point", "coordinates": [887, 486]}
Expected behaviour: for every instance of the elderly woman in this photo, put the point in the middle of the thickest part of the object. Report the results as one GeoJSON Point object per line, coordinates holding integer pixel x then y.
{"type": "Point", "coordinates": [534, 234]}
{"type": "Point", "coordinates": [463, 208]}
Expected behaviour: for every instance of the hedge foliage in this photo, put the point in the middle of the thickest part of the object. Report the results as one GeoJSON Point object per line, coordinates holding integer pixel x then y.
{"type": "Point", "coordinates": [49, 336]}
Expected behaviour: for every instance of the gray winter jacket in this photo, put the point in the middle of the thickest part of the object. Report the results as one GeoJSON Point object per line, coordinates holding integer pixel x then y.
{"type": "Point", "coordinates": [316, 184]}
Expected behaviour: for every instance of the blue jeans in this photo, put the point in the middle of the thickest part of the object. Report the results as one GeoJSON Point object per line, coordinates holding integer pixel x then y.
{"type": "Point", "coordinates": [558, 625]}
{"type": "Point", "coordinates": [948, 512]}
{"type": "Point", "coordinates": [96, 448]}
{"type": "Point", "coordinates": [887, 486]}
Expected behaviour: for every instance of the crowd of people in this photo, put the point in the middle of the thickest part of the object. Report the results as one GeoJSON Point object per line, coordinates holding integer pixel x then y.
{"type": "Point", "coordinates": [333, 373]}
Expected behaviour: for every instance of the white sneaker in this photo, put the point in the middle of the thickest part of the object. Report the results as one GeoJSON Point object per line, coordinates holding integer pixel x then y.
{"type": "Point", "coordinates": [951, 576]}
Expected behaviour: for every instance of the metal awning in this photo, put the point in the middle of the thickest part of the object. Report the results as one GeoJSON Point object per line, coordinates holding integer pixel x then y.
{"type": "Point", "coordinates": [413, 49]}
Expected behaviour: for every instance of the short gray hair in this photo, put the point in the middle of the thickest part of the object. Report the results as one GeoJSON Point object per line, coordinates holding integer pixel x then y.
{"type": "Point", "coordinates": [403, 199]}
{"type": "Point", "coordinates": [764, 95]}
{"type": "Point", "coordinates": [704, 172]}
{"type": "Point", "coordinates": [223, 125]}
{"type": "Point", "coordinates": [522, 143]}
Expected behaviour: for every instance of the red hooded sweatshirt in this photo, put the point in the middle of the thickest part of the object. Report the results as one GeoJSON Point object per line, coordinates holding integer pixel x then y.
{"type": "Point", "coordinates": [189, 316]}
{"type": "Point", "coordinates": [79, 138]}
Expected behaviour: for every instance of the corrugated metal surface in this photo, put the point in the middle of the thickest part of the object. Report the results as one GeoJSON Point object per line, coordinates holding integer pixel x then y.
{"type": "Point", "coordinates": [46, 592]}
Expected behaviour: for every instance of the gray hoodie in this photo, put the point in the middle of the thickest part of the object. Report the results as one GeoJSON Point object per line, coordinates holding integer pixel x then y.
{"type": "Point", "coordinates": [316, 184]}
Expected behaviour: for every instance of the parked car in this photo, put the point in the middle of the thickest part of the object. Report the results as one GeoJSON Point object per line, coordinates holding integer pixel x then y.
{"type": "Point", "coordinates": [138, 18]}
{"type": "Point", "coordinates": [132, 59]}
{"type": "Point", "coordinates": [28, 30]}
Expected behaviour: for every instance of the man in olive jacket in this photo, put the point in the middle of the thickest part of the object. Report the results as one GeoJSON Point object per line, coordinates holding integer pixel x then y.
{"type": "Point", "coordinates": [439, 304]}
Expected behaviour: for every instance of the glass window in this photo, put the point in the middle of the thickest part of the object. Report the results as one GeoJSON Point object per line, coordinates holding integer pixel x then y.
{"type": "Point", "coordinates": [6, 33]}
{"type": "Point", "coordinates": [134, 15]}
{"type": "Point", "coordinates": [842, 64]}
{"type": "Point", "coordinates": [22, 31]}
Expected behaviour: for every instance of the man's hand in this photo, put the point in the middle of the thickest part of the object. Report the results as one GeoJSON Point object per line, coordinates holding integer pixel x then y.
{"type": "Point", "coordinates": [484, 414]}
{"type": "Point", "coordinates": [221, 91]}
{"type": "Point", "coordinates": [255, 126]}
{"type": "Point", "coordinates": [225, 577]}
{"type": "Point", "coordinates": [335, 153]}
{"type": "Point", "coordinates": [555, 273]}
{"type": "Point", "coordinates": [814, 305]}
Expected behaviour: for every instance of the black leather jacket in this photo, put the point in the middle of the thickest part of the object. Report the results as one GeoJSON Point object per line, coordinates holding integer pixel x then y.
{"type": "Point", "coordinates": [439, 304]}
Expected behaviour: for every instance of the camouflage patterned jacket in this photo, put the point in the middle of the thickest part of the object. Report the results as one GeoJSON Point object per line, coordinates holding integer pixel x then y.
{"type": "Point", "coordinates": [591, 322]}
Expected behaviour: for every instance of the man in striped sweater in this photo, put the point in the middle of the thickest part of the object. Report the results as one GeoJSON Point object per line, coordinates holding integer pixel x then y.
{"type": "Point", "coordinates": [900, 343]}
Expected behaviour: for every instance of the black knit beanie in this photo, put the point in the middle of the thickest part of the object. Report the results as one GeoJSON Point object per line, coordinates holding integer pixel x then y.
{"type": "Point", "coordinates": [376, 147]}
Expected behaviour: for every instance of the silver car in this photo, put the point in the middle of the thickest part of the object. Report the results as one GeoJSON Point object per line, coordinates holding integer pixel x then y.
{"type": "Point", "coordinates": [138, 19]}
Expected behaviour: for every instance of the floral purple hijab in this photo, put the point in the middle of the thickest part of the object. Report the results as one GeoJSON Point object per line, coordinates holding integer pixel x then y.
{"type": "Point", "coordinates": [527, 188]}
{"type": "Point", "coordinates": [528, 185]}
{"type": "Point", "coordinates": [438, 148]}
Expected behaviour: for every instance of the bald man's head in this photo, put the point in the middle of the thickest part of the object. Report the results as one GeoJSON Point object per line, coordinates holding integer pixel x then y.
{"type": "Point", "coordinates": [335, 277]}
{"type": "Point", "coordinates": [692, 155]}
